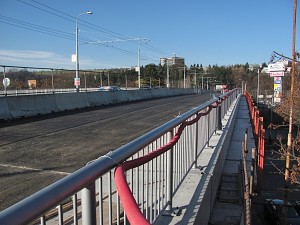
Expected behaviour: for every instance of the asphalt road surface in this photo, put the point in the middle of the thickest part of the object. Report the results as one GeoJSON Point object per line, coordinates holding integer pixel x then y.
{"type": "Point", "coordinates": [35, 152]}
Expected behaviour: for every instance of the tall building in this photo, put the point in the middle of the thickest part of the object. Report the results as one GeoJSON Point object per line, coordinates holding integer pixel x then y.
{"type": "Point", "coordinates": [174, 61]}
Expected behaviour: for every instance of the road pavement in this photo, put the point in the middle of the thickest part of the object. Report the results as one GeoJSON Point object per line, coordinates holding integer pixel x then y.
{"type": "Point", "coordinates": [35, 152]}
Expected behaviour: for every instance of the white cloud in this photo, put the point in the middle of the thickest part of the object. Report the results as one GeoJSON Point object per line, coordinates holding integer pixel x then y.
{"type": "Point", "coordinates": [31, 58]}
{"type": "Point", "coordinates": [46, 59]}
{"type": "Point", "coordinates": [23, 54]}
{"type": "Point", "coordinates": [42, 59]}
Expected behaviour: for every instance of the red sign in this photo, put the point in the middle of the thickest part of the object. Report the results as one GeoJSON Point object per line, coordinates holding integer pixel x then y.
{"type": "Point", "coordinates": [276, 74]}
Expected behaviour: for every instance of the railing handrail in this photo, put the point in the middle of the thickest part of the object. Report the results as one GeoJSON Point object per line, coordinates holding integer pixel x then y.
{"type": "Point", "coordinates": [35, 205]}
{"type": "Point", "coordinates": [134, 214]}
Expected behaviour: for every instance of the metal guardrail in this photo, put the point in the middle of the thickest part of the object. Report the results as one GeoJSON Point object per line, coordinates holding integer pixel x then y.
{"type": "Point", "coordinates": [52, 91]}
{"type": "Point", "coordinates": [92, 192]}
{"type": "Point", "coordinates": [44, 91]}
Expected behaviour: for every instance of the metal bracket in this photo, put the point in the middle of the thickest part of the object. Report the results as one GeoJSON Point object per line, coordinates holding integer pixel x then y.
{"type": "Point", "coordinates": [172, 213]}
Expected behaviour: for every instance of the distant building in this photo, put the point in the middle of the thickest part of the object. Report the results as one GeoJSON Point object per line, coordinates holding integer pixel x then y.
{"type": "Point", "coordinates": [174, 61]}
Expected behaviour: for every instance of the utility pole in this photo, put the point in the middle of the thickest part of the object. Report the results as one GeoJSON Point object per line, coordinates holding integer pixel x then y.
{"type": "Point", "coordinates": [139, 66]}
{"type": "Point", "coordinates": [184, 75]}
{"type": "Point", "coordinates": [123, 40]}
{"type": "Point", "coordinates": [195, 78]}
{"type": "Point", "coordinates": [289, 141]}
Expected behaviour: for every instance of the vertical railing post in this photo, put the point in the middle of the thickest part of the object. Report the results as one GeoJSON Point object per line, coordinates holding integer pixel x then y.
{"type": "Point", "coordinates": [60, 214]}
{"type": "Point", "coordinates": [246, 140]}
{"type": "Point", "coordinates": [88, 202]}
{"type": "Point", "coordinates": [43, 220]}
{"type": "Point", "coordinates": [75, 211]}
{"type": "Point", "coordinates": [252, 172]}
{"type": "Point", "coordinates": [169, 175]}
{"type": "Point", "coordinates": [196, 144]}
{"type": "Point", "coordinates": [260, 157]}
{"type": "Point", "coordinates": [247, 201]}
{"type": "Point", "coordinates": [219, 117]}
{"type": "Point", "coordinates": [208, 124]}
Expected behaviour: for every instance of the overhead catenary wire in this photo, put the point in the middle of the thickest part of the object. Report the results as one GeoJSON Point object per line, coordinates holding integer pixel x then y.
{"type": "Point", "coordinates": [36, 28]}
{"type": "Point", "coordinates": [82, 38]}
{"type": "Point", "coordinates": [71, 18]}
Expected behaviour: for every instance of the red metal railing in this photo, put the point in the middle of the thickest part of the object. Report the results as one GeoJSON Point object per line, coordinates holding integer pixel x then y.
{"type": "Point", "coordinates": [133, 212]}
{"type": "Point", "coordinates": [259, 136]}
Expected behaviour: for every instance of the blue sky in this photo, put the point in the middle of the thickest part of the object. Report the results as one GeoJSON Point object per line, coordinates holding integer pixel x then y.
{"type": "Point", "coordinates": [203, 32]}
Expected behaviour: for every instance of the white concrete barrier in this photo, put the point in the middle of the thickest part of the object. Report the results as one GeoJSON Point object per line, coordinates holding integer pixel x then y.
{"type": "Point", "coordinates": [31, 105]}
{"type": "Point", "coordinates": [70, 101]}
{"type": "Point", "coordinates": [13, 107]}
{"type": "Point", "coordinates": [4, 109]}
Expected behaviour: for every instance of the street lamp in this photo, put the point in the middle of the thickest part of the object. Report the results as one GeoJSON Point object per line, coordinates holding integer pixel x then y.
{"type": "Point", "coordinates": [77, 79]}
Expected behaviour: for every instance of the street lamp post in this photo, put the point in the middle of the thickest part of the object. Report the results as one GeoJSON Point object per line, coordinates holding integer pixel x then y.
{"type": "Point", "coordinates": [77, 79]}
{"type": "Point", "coordinates": [139, 65]}
{"type": "Point", "coordinates": [168, 74]}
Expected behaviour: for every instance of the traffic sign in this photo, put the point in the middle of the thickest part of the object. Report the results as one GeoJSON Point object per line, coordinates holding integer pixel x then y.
{"type": "Point", "coordinates": [76, 81]}
{"type": "Point", "coordinates": [277, 80]}
{"type": "Point", "coordinates": [6, 82]}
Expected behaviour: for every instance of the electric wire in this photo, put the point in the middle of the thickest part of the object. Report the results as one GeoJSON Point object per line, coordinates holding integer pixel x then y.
{"type": "Point", "coordinates": [89, 25]}
{"type": "Point", "coordinates": [104, 30]}
{"type": "Point", "coordinates": [33, 27]}
{"type": "Point", "coordinates": [85, 23]}
{"type": "Point", "coordinates": [82, 23]}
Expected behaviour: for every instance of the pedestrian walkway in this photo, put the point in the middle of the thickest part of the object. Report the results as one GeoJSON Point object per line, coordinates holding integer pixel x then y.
{"type": "Point", "coordinates": [228, 206]}
{"type": "Point", "coordinates": [211, 193]}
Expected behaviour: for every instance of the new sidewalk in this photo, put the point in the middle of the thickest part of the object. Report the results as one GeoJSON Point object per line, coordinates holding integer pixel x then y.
{"type": "Point", "coordinates": [228, 206]}
{"type": "Point", "coordinates": [197, 200]}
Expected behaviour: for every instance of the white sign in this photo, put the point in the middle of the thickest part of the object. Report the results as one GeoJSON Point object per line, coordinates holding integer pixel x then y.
{"type": "Point", "coordinates": [220, 87]}
{"type": "Point", "coordinates": [277, 100]}
{"type": "Point", "coordinates": [276, 67]}
{"type": "Point", "coordinates": [276, 74]}
{"type": "Point", "coordinates": [74, 58]}
{"type": "Point", "coordinates": [260, 96]}
{"type": "Point", "coordinates": [76, 81]}
{"type": "Point", "coordinates": [6, 82]}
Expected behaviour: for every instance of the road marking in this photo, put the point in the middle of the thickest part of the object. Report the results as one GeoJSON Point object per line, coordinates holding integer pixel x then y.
{"type": "Point", "coordinates": [34, 169]}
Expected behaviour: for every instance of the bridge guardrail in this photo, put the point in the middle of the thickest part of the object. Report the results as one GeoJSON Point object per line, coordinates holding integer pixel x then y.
{"type": "Point", "coordinates": [91, 191]}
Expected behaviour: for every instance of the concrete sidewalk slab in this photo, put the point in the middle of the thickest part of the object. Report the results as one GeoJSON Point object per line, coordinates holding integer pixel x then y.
{"type": "Point", "coordinates": [195, 197]}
